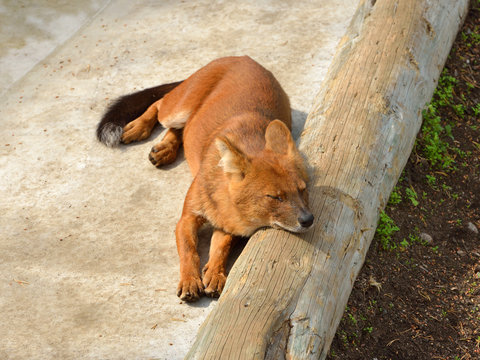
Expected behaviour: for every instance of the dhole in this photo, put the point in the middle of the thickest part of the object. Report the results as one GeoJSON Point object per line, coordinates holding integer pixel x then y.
{"type": "Point", "coordinates": [234, 121]}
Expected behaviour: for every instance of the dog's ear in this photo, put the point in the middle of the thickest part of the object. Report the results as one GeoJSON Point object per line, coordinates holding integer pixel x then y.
{"type": "Point", "coordinates": [232, 160]}
{"type": "Point", "coordinates": [279, 139]}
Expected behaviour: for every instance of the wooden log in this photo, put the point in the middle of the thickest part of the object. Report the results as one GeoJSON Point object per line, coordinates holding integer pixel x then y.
{"type": "Point", "coordinates": [286, 293]}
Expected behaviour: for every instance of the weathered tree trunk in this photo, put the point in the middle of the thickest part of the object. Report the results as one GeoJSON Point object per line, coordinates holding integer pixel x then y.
{"type": "Point", "coordinates": [286, 293]}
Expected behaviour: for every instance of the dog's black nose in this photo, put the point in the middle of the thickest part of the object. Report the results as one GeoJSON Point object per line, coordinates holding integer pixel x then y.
{"type": "Point", "coordinates": [306, 219]}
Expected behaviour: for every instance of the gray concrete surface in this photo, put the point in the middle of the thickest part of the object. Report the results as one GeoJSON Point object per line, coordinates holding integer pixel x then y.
{"type": "Point", "coordinates": [88, 264]}
{"type": "Point", "coordinates": [30, 30]}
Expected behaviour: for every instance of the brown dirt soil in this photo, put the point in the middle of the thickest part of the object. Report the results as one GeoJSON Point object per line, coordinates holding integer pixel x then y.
{"type": "Point", "coordinates": [419, 299]}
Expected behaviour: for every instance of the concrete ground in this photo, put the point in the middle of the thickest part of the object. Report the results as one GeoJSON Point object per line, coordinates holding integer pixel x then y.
{"type": "Point", "coordinates": [88, 263]}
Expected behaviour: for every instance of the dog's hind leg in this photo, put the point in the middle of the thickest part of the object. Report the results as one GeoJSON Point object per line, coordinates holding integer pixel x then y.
{"type": "Point", "coordinates": [141, 128]}
{"type": "Point", "coordinates": [170, 117]}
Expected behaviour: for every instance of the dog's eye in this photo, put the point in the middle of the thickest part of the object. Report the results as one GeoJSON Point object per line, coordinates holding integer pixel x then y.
{"type": "Point", "coordinates": [279, 198]}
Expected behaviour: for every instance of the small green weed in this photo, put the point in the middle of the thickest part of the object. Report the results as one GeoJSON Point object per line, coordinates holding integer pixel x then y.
{"type": "Point", "coordinates": [385, 229]}
{"type": "Point", "coordinates": [412, 195]}
{"type": "Point", "coordinates": [395, 197]}
{"type": "Point", "coordinates": [412, 239]}
{"type": "Point", "coordinates": [368, 329]}
{"type": "Point", "coordinates": [352, 319]}
{"type": "Point", "coordinates": [404, 243]}
{"type": "Point", "coordinates": [432, 181]}
{"type": "Point", "coordinates": [459, 110]}
{"type": "Point", "coordinates": [476, 109]}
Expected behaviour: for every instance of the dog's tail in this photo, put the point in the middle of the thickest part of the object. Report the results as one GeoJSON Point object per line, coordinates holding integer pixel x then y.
{"type": "Point", "coordinates": [127, 108]}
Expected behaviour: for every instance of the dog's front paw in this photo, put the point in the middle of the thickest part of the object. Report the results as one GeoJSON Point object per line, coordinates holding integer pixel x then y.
{"type": "Point", "coordinates": [214, 281]}
{"type": "Point", "coordinates": [190, 289]}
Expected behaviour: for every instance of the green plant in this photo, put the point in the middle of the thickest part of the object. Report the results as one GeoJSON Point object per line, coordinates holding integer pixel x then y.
{"type": "Point", "coordinates": [446, 187]}
{"type": "Point", "coordinates": [444, 90]}
{"type": "Point", "coordinates": [412, 239]}
{"type": "Point", "coordinates": [476, 109]}
{"type": "Point", "coordinates": [433, 147]}
{"type": "Point", "coordinates": [412, 195]}
{"type": "Point", "coordinates": [395, 197]}
{"type": "Point", "coordinates": [404, 243]}
{"type": "Point", "coordinates": [344, 337]}
{"type": "Point", "coordinates": [432, 181]}
{"type": "Point", "coordinates": [385, 229]}
{"type": "Point", "coordinates": [459, 110]}
{"type": "Point", "coordinates": [368, 329]}
{"type": "Point", "coordinates": [475, 35]}
{"type": "Point", "coordinates": [432, 143]}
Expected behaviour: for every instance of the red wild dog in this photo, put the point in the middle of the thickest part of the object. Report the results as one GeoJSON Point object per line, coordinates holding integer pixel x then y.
{"type": "Point", "coordinates": [234, 121]}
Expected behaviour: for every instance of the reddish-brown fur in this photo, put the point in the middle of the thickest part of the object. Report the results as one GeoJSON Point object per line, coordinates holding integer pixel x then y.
{"type": "Point", "coordinates": [234, 120]}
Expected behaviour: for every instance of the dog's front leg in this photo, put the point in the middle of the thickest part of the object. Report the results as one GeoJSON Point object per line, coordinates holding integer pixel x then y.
{"type": "Point", "coordinates": [190, 287]}
{"type": "Point", "coordinates": [215, 273]}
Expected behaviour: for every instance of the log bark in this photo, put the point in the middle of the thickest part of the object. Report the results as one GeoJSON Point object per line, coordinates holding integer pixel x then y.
{"type": "Point", "coordinates": [286, 293]}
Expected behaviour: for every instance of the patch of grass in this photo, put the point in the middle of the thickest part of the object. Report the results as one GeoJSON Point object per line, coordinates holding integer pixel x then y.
{"type": "Point", "coordinates": [433, 147]}
{"type": "Point", "coordinates": [444, 90]}
{"type": "Point", "coordinates": [432, 141]}
{"type": "Point", "coordinates": [471, 38]}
